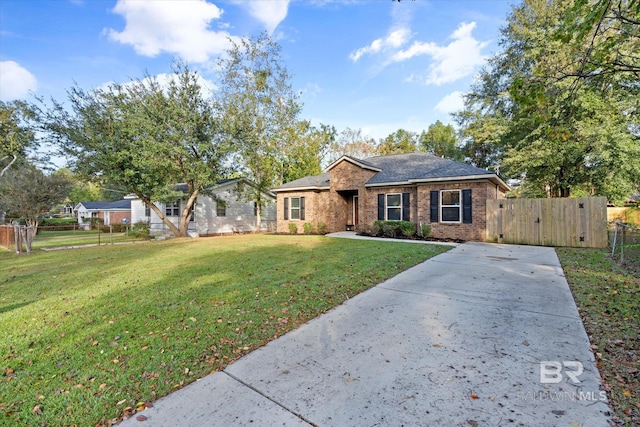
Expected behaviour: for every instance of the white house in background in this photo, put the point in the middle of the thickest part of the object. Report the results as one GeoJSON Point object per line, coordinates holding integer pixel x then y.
{"type": "Point", "coordinates": [118, 212]}
{"type": "Point", "coordinates": [209, 217]}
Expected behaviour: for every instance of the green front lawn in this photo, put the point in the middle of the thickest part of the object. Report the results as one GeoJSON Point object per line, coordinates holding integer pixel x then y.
{"type": "Point", "coordinates": [608, 299]}
{"type": "Point", "coordinates": [54, 239]}
{"type": "Point", "coordinates": [89, 335]}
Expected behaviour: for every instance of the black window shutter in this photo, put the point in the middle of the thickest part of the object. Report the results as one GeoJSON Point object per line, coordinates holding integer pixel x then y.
{"type": "Point", "coordinates": [286, 208]}
{"type": "Point", "coordinates": [406, 206]}
{"type": "Point", "coordinates": [466, 206]}
{"type": "Point", "coordinates": [302, 208]}
{"type": "Point", "coordinates": [434, 195]}
{"type": "Point", "coordinates": [380, 207]}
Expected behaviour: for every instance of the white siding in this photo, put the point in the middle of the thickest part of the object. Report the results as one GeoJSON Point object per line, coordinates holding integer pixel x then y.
{"type": "Point", "coordinates": [239, 216]}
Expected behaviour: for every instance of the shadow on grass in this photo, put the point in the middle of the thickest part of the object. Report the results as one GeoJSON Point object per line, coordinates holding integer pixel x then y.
{"type": "Point", "coordinates": [8, 308]}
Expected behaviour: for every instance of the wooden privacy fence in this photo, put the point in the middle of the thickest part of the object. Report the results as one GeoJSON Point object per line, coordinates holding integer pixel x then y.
{"type": "Point", "coordinates": [579, 222]}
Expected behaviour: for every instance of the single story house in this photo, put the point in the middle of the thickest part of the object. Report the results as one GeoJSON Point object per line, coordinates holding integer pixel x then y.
{"type": "Point", "coordinates": [118, 212]}
{"type": "Point", "coordinates": [418, 187]}
{"type": "Point", "coordinates": [210, 217]}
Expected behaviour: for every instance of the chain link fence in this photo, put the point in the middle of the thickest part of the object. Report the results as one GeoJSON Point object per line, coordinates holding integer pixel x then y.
{"type": "Point", "coordinates": [624, 241]}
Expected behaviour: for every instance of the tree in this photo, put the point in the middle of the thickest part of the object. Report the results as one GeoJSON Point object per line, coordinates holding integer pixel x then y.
{"type": "Point", "coordinates": [81, 190]}
{"type": "Point", "coordinates": [147, 136]}
{"type": "Point", "coordinates": [605, 35]}
{"type": "Point", "coordinates": [28, 193]}
{"type": "Point", "coordinates": [15, 136]}
{"type": "Point", "coordinates": [260, 111]}
{"type": "Point", "coordinates": [441, 141]}
{"type": "Point", "coordinates": [401, 141]}
{"type": "Point", "coordinates": [307, 147]}
{"type": "Point", "coordinates": [352, 143]}
{"type": "Point", "coordinates": [531, 123]}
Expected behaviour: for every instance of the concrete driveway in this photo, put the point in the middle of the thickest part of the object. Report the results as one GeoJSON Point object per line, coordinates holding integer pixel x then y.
{"type": "Point", "coordinates": [455, 341]}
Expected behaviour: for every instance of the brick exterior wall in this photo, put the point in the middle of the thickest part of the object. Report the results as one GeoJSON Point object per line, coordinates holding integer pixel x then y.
{"type": "Point", "coordinates": [476, 231]}
{"type": "Point", "coordinates": [317, 209]}
{"type": "Point", "coordinates": [347, 180]}
{"type": "Point", "coordinates": [335, 207]}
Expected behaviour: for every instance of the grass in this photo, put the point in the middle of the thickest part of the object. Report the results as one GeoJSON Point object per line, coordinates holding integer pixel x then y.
{"type": "Point", "coordinates": [608, 299]}
{"type": "Point", "coordinates": [89, 335]}
{"type": "Point", "coordinates": [52, 239]}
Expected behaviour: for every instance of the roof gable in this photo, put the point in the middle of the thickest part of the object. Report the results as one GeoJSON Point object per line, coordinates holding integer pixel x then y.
{"type": "Point", "coordinates": [361, 163]}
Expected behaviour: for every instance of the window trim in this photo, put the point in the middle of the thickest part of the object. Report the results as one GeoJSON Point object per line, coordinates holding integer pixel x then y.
{"type": "Point", "coordinates": [387, 207]}
{"type": "Point", "coordinates": [442, 206]}
{"type": "Point", "coordinates": [171, 208]}
{"type": "Point", "coordinates": [298, 208]}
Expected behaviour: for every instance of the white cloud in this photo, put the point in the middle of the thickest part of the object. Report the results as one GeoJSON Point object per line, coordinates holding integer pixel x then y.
{"type": "Point", "coordinates": [395, 39]}
{"type": "Point", "coordinates": [451, 103]}
{"type": "Point", "coordinates": [175, 27]}
{"type": "Point", "coordinates": [270, 12]}
{"type": "Point", "coordinates": [452, 62]}
{"type": "Point", "coordinates": [15, 81]}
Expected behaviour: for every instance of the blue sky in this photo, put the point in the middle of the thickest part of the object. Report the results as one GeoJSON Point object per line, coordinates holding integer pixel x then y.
{"type": "Point", "coordinates": [373, 65]}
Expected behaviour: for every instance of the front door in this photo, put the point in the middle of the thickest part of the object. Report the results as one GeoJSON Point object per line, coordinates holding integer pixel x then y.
{"type": "Point", "coordinates": [355, 211]}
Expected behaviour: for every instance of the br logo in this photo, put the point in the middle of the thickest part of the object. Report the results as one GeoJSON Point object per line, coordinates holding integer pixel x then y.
{"type": "Point", "coordinates": [551, 372]}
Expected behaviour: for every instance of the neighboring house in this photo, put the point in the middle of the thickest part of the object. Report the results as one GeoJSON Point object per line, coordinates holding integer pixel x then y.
{"type": "Point", "coordinates": [419, 187]}
{"type": "Point", "coordinates": [210, 217]}
{"type": "Point", "coordinates": [118, 212]}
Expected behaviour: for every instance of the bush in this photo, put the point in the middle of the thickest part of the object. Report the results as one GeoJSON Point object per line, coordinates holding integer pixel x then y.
{"type": "Point", "coordinates": [408, 229]}
{"type": "Point", "coordinates": [49, 222]}
{"type": "Point", "coordinates": [424, 231]}
{"type": "Point", "coordinates": [376, 230]}
{"type": "Point", "coordinates": [308, 228]}
{"type": "Point", "coordinates": [293, 229]}
{"type": "Point", "coordinates": [140, 230]}
{"type": "Point", "coordinates": [388, 230]}
{"type": "Point", "coordinates": [321, 228]}
{"type": "Point", "coordinates": [393, 228]}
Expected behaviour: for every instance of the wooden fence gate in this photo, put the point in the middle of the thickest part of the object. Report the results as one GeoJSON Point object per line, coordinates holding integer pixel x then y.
{"type": "Point", "coordinates": [579, 222]}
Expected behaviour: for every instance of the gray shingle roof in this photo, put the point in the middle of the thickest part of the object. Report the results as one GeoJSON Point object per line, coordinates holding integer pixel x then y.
{"type": "Point", "coordinates": [316, 181]}
{"type": "Point", "coordinates": [419, 166]}
{"type": "Point", "coordinates": [397, 169]}
{"type": "Point", "coordinates": [101, 206]}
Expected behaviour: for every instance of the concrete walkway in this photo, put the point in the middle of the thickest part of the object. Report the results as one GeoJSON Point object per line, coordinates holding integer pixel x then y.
{"type": "Point", "coordinates": [455, 341]}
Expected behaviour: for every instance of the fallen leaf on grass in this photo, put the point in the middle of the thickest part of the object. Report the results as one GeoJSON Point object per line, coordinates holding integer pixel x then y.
{"type": "Point", "coordinates": [626, 393]}
{"type": "Point", "coordinates": [37, 410]}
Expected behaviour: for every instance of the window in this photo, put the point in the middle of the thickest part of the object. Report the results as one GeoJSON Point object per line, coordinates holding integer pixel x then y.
{"type": "Point", "coordinates": [173, 208]}
{"type": "Point", "coordinates": [450, 205]}
{"type": "Point", "coordinates": [394, 207]}
{"type": "Point", "coordinates": [147, 210]}
{"type": "Point", "coordinates": [293, 208]}
{"type": "Point", "coordinates": [294, 212]}
{"type": "Point", "coordinates": [221, 210]}
{"type": "Point", "coordinates": [193, 212]}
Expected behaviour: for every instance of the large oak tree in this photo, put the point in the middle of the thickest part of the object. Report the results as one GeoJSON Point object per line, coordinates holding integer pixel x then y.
{"type": "Point", "coordinates": [147, 135]}
{"type": "Point", "coordinates": [528, 119]}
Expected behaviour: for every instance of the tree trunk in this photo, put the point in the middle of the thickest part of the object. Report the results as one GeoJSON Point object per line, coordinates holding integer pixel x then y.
{"type": "Point", "coordinates": [185, 215]}
{"type": "Point", "coordinates": [258, 214]}
{"type": "Point", "coordinates": [163, 218]}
